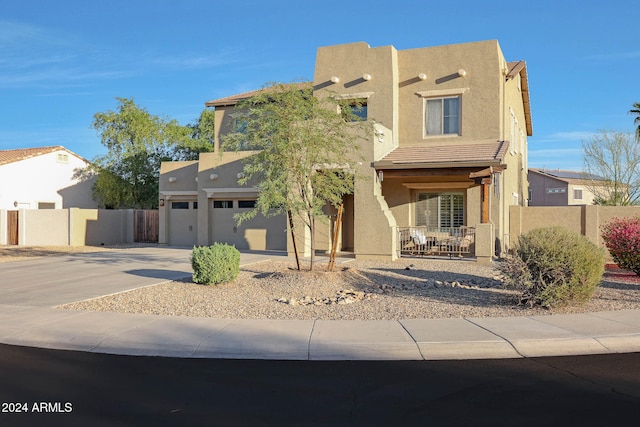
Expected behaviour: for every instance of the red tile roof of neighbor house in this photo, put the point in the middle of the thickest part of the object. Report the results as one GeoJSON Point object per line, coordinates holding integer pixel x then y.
{"type": "Point", "coordinates": [472, 153]}
{"type": "Point", "coordinates": [18, 154]}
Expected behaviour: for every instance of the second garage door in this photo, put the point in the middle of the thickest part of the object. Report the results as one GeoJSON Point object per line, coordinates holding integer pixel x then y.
{"type": "Point", "coordinates": [259, 233]}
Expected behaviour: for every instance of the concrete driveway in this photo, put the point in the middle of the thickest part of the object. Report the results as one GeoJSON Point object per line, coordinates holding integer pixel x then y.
{"type": "Point", "coordinates": [55, 280]}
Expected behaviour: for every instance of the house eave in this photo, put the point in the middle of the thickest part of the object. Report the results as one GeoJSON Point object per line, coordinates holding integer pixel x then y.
{"type": "Point", "coordinates": [382, 165]}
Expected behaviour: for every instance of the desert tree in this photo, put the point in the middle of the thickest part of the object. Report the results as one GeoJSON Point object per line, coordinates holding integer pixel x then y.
{"type": "Point", "coordinates": [612, 168]}
{"type": "Point", "coordinates": [137, 142]}
{"type": "Point", "coordinates": [305, 150]}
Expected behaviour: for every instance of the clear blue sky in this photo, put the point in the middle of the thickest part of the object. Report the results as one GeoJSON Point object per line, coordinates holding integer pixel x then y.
{"type": "Point", "coordinates": [63, 61]}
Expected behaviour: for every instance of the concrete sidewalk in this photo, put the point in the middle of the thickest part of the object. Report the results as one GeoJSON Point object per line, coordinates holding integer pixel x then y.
{"type": "Point", "coordinates": [27, 317]}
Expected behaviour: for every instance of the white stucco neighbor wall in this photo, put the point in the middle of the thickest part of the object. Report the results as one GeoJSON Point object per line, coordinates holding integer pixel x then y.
{"type": "Point", "coordinates": [45, 180]}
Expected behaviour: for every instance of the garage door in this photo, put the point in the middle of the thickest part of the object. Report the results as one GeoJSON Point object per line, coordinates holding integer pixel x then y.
{"type": "Point", "coordinates": [259, 233]}
{"type": "Point", "coordinates": [183, 223]}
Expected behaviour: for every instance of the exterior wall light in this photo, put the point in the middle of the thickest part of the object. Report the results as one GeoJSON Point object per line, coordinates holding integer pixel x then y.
{"type": "Point", "coordinates": [213, 176]}
{"type": "Point", "coordinates": [335, 79]}
{"type": "Point", "coordinates": [240, 175]}
{"type": "Point", "coordinates": [161, 202]}
{"type": "Point", "coordinates": [422, 76]}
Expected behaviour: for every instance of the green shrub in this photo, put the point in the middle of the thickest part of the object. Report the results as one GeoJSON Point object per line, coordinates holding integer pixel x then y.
{"type": "Point", "coordinates": [215, 264]}
{"type": "Point", "coordinates": [554, 267]}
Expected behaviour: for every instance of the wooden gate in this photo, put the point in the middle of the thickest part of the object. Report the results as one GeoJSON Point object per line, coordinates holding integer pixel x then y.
{"type": "Point", "coordinates": [146, 225]}
{"type": "Point", "coordinates": [12, 227]}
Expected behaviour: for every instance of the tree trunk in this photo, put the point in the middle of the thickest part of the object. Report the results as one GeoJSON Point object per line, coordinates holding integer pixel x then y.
{"type": "Point", "coordinates": [334, 242]}
{"type": "Point", "coordinates": [293, 239]}
{"type": "Point", "coordinates": [312, 224]}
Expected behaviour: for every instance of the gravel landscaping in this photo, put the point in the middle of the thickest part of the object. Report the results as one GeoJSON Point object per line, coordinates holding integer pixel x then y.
{"type": "Point", "coordinates": [357, 290]}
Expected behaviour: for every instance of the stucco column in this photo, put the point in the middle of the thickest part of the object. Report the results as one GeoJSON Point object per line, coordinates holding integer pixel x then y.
{"type": "Point", "coordinates": [484, 241]}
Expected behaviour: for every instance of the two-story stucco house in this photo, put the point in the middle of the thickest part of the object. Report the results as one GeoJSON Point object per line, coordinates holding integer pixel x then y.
{"type": "Point", "coordinates": [447, 158]}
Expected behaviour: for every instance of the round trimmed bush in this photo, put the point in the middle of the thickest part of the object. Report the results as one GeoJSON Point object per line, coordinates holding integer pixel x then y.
{"type": "Point", "coordinates": [554, 267]}
{"type": "Point", "coordinates": [215, 264]}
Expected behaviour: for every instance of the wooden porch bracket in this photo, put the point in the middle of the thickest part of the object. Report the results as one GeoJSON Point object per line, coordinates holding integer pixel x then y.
{"type": "Point", "coordinates": [484, 207]}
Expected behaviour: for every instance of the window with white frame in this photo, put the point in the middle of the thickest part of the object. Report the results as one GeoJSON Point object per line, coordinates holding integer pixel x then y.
{"type": "Point", "coordinates": [439, 210]}
{"type": "Point", "coordinates": [442, 116]}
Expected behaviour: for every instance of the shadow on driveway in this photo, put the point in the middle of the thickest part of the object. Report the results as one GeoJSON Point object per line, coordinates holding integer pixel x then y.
{"type": "Point", "coordinates": [159, 273]}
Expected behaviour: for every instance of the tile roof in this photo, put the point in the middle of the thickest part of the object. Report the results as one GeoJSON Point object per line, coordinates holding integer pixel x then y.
{"type": "Point", "coordinates": [18, 154]}
{"type": "Point", "coordinates": [234, 99]}
{"type": "Point", "coordinates": [431, 155]}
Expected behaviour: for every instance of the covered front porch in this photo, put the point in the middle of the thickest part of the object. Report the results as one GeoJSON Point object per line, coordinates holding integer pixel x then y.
{"type": "Point", "coordinates": [449, 241]}
{"type": "Point", "coordinates": [441, 196]}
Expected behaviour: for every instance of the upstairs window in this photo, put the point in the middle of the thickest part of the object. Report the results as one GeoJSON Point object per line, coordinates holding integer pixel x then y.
{"type": "Point", "coordinates": [442, 116]}
{"type": "Point", "coordinates": [359, 109]}
{"type": "Point", "coordinates": [240, 124]}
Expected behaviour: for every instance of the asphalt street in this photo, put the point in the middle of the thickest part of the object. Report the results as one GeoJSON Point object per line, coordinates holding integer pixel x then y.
{"type": "Point", "coordinates": [57, 387]}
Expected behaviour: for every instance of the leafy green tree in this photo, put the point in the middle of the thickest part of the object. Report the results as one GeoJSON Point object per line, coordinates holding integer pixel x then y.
{"type": "Point", "coordinates": [304, 152]}
{"type": "Point", "coordinates": [614, 156]}
{"type": "Point", "coordinates": [137, 143]}
{"type": "Point", "coordinates": [636, 111]}
{"type": "Point", "coordinates": [202, 133]}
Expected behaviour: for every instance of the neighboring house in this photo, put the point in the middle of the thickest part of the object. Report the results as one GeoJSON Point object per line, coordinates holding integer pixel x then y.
{"type": "Point", "coordinates": [449, 152]}
{"type": "Point", "coordinates": [560, 188]}
{"type": "Point", "coordinates": [43, 178]}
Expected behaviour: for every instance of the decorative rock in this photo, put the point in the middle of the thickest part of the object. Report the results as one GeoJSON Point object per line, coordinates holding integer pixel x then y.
{"type": "Point", "coordinates": [342, 297]}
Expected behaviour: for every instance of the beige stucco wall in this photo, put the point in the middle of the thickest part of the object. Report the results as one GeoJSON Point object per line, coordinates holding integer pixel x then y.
{"type": "Point", "coordinates": [46, 227]}
{"type": "Point", "coordinates": [585, 220]}
{"type": "Point", "coordinates": [71, 227]}
{"type": "Point", "coordinates": [479, 88]}
{"type": "Point", "coordinates": [374, 224]}
{"type": "Point", "coordinates": [96, 227]}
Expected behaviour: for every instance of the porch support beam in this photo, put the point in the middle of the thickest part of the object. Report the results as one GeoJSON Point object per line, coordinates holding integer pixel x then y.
{"type": "Point", "coordinates": [484, 208]}
{"type": "Point", "coordinates": [487, 172]}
